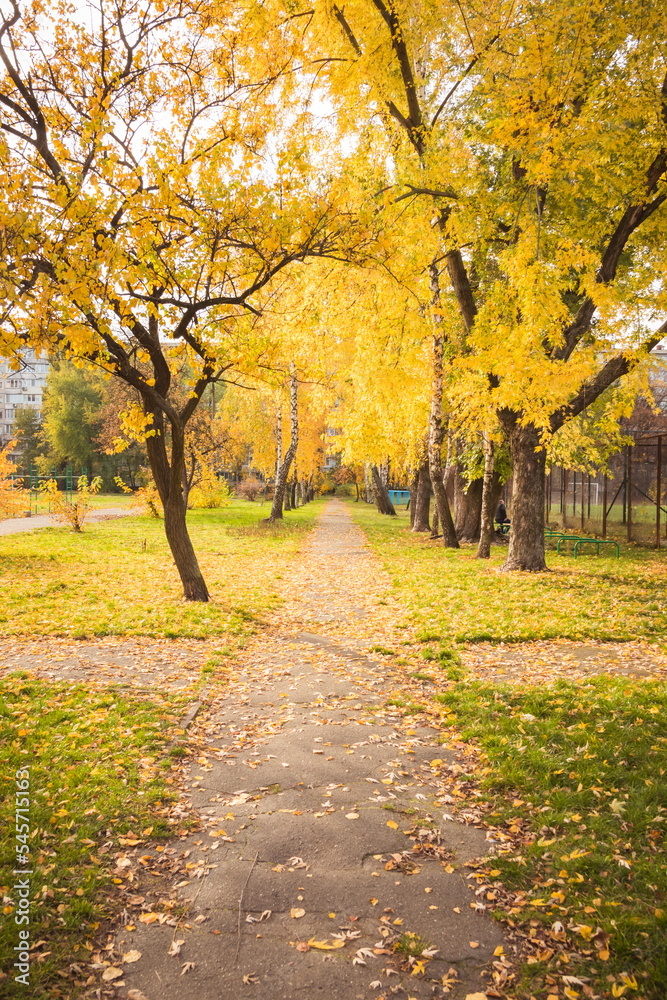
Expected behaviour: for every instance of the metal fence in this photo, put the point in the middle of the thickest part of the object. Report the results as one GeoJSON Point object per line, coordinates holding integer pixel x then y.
{"type": "Point", "coordinates": [627, 503]}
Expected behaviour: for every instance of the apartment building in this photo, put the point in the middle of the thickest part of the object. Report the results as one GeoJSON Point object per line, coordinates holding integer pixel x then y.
{"type": "Point", "coordinates": [20, 388]}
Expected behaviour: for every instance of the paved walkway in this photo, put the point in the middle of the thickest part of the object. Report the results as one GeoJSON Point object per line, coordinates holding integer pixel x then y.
{"type": "Point", "coordinates": [15, 525]}
{"type": "Point", "coordinates": [326, 838]}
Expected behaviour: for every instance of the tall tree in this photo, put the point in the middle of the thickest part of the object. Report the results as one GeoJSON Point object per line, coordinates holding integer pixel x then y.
{"type": "Point", "coordinates": [72, 416]}
{"type": "Point", "coordinates": [161, 194]}
{"type": "Point", "coordinates": [285, 462]}
{"type": "Point", "coordinates": [27, 428]}
{"type": "Point", "coordinates": [537, 137]}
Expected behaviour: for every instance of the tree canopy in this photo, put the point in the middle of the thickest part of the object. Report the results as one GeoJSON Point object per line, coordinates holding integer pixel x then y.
{"type": "Point", "coordinates": [450, 218]}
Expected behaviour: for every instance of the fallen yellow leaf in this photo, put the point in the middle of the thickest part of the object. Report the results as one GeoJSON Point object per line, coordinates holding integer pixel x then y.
{"type": "Point", "coordinates": [326, 945]}
{"type": "Point", "coordinates": [111, 973]}
{"type": "Point", "coordinates": [297, 912]}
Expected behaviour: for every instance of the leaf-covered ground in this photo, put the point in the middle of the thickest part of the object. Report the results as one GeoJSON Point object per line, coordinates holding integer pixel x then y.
{"type": "Point", "coordinates": [560, 743]}
{"type": "Point", "coordinates": [98, 777]}
{"type": "Point", "coordinates": [563, 744]}
{"type": "Point", "coordinates": [117, 577]}
{"type": "Point", "coordinates": [458, 598]}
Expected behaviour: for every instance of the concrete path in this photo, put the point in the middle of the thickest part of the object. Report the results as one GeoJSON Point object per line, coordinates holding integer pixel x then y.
{"type": "Point", "coordinates": [16, 525]}
{"type": "Point", "coordinates": [326, 853]}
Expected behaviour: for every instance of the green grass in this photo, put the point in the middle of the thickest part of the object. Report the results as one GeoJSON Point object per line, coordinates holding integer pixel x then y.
{"type": "Point", "coordinates": [94, 774]}
{"type": "Point", "coordinates": [572, 776]}
{"type": "Point", "coordinates": [576, 776]}
{"type": "Point", "coordinates": [450, 595]}
{"type": "Point", "coordinates": [117, 577]}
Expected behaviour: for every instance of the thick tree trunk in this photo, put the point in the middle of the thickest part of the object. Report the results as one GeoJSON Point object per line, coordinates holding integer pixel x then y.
{"type": "Point", "coordinates": [176, 530]}
{"type": "Point", "coordinates": [168, 476]}
{"type": "Point", "coordinates": [283, 472]}
{"type": "Point", "coordinates": [421, 500]}
{"type": "Point", "coordinates": [436, 429]}
{"type": "Point", "coordinates": [526, 548]}
{"type": "Point", "coordinates": [383, 503]}
{"type": "Point", "coordinates": [467, 507]}
{"type": "Point", "coordinates": [488, 500]}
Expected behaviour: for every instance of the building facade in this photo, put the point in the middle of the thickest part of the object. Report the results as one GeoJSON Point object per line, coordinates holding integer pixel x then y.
{"type": "Point", "coordinates": [20, 388]}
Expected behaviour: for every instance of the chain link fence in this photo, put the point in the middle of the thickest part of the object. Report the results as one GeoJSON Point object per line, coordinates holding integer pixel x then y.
{"type": "Point", "coordinates": [628, 503]}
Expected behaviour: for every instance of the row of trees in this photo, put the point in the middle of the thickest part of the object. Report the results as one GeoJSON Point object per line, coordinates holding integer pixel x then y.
{"type": "Point", "coordinates": [450, 219]}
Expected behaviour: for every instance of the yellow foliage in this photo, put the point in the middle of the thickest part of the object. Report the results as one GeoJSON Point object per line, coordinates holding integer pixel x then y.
{"type": "Point", "coordinates": [13, 498]}
{"type": "Point", "coordinates": [210, 491]}
{"type": "Point", "coordinates": [75, 511]}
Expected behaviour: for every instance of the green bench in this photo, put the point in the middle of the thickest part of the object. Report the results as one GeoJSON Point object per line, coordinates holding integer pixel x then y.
{"type": "Point", "coordinates": [579, 541]}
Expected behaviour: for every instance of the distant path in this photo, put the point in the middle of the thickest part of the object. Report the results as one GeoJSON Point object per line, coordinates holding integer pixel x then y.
{"type": "Point", "coordinates": [326, 827]}
{"type": "Point", "coordinates": [15, 525]}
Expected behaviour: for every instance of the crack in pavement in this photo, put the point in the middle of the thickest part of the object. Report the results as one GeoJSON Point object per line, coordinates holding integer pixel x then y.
{"type": "Point", "coordinates": [321, 819]}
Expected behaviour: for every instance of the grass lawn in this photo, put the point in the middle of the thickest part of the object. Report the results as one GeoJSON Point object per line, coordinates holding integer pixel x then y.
{"type": "Point", "coordinates": [98, 774]}
{"type": "Point", "coordinates": [117, 577]}
{"type": "Point", "coordinates": [572, 776]}
{"type": "Point", "coordinates": [453, 596]}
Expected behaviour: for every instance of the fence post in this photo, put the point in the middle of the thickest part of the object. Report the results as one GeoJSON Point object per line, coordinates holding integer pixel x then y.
{"type": "Point", "coordinates": [658, 492]}
{"type": "Point", "coordinates": [625, 487]}
{"type": "Point", "coordinates": [583, 510]}
{"type": "Point", "coordinates": [547, 497]}
{"type": "Point", "coordinates": [604, 505]}
{"type": "Point", "coordinates": [629, 493]}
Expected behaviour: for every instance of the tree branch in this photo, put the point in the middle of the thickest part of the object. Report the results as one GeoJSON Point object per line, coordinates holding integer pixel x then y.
{"type": "Point", "coordinates": [593, 387]}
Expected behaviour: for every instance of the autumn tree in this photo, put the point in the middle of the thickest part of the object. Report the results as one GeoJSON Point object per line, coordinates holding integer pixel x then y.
{"type": "Point", "coordinates": [535, 137]}
{"type": "Point", "coordinates": [71, 412]}
{"type": "Point", "coordinates": [161, 194]}
{"type": "Point", "coordinates": [27, 428]}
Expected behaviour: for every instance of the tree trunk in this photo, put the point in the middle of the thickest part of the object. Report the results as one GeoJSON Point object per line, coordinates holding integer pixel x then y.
{"type": "Point", "coordinates": [467, 507]}
{"type": "Point", "coordinates": [279, 440]}
{"type": "Point", "coordinates": [488, 500]}
{"type": "Point", "coordinates": [414, 486]}
{"type": "Point", "coordinates": [384, 504]}
{"type": "Point", "coordinates": [281, 478]}
{"type": "Point", "coordinates": [176, 530]}
{"type": "Point", "coordinates": [526, 548]}
{"type": "Point", "coordinates": [168, 477]}
{"type": "Point", "coordinates": [436, 429]}
{"type": "Point", "coordinates": [367, 484]}
{"type": "Point", "coordinates": [421, 500]}
{"type": "Point", "coordinates": [435, 529]}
